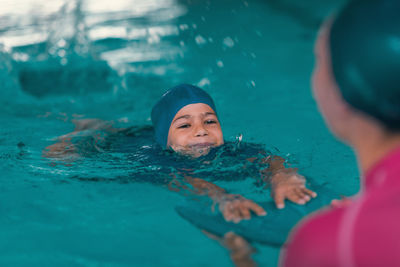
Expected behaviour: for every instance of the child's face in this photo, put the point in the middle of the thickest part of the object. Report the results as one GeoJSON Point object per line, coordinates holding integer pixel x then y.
{"type": "Point", "coordinates": [194, 130]}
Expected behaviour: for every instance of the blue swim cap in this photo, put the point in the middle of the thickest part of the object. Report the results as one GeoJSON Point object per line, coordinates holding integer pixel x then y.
{"type": "Point", "coordinates": [365, 55]}
{"type": "Point", "coordinates": [170, 103]}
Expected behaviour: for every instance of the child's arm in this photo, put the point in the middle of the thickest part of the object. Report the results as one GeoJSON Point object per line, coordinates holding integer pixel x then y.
{"type": "Point", "coordinates": [240, 249]}
{"type": "Point", "coordinates": [64, 149]}
{"type": "Point", "coordinates": [233, 207]}
{"type": "Point", "coordinates": [285, 182]}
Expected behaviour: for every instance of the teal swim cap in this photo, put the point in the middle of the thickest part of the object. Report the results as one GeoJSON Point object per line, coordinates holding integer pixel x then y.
{"type": "Point", "coordinates": [170, 103]}
{"type": "Point", "coordinates": [365, 54]}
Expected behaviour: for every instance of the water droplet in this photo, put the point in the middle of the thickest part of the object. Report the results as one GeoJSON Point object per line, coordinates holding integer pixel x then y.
{"type": "Point", "coordinates": [62, 53]}
{"type": "Point", "coordinates": [62, 43]}
{"type": "Point", "coordinates": [203, 82]}
{"type": "Point", "coordinates": [200, 40]}
{"type": "Point", "coordinates": [183, 27]}
{"type": "Point", "coordinates": [153, 39]}
{"type": "Point", "coordinates": [228, 42]}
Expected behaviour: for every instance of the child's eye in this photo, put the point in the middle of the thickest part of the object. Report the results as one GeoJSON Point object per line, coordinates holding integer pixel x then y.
{"type": "Point", "coordinates": [210, 121]}
{"type": "Point", "coordinates": [184, 126]}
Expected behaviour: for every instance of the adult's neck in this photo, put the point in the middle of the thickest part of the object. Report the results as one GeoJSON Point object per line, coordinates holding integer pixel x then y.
{"type": "Point", "coordinates": [374, 144]}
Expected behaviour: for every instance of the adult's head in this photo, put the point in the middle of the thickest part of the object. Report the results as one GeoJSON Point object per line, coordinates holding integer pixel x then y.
{"type": "Point", "coordinates": [185, 120]}
{"type": "Point", "coordinates": [357, 76]}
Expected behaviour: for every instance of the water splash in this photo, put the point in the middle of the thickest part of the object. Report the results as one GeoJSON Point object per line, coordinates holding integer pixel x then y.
{"type": "Point", "coordinates": [66, 65]}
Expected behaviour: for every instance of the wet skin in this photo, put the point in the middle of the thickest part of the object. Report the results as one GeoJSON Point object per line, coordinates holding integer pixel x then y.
{"type": "Point", "coordinates": [194, 130]}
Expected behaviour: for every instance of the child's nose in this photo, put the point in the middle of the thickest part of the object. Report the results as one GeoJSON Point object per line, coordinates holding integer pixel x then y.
{"type": "Point", "coordinates": [200, 130]}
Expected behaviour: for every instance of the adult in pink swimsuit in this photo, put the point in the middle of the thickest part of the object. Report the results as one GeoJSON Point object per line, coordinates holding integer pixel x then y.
{"type": "Point", "coordinates": [356, 83]}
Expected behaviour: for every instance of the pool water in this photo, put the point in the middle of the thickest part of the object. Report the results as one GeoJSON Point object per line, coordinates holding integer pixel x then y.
{"type": "Point", "coordinates": [65, 60]}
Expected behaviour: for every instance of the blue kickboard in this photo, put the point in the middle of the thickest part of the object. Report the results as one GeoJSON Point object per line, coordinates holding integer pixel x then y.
{"type": "Point", "coordinates": [271, 229]}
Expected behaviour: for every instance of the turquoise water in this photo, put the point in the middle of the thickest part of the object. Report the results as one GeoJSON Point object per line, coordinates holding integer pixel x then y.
{"type": "Point", "coordinates": [68, 60]}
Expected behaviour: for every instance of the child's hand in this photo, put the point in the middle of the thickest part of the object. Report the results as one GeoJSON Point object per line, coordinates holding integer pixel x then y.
{"type": "Point", "coordinates": [236, 208]}
{"type": "Point", "coordinates": [290, 185]}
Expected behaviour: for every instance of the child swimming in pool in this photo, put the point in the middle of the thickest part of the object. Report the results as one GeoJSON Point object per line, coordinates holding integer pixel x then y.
{"type": "Point", "coordinates": [185, 121]}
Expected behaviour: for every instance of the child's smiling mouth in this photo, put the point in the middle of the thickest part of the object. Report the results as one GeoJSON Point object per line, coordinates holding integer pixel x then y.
{"type": "Point", "coordinates": [202, 145]}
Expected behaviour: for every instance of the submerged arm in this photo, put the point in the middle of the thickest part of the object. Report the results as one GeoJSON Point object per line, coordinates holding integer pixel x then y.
{"type": "Point", "coordinates": [64, 148]}
{"type": "Point", "coordinates": [239, 248]}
